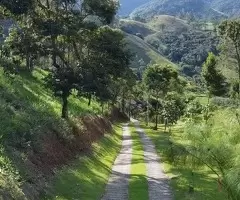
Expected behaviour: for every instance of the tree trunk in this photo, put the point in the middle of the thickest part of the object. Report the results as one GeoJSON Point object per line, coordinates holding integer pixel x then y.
{"type": "Point", "coordinates": [129, 109]}
{"type": "Point", "coordinates": [156, 122]}
{"type": "Point", "coordinates": [102, 108]}
{"type": "Point", "coordinates": [123, 105]}
{"type": "Point", "coordinates": [147, 117]}
{"type": "Point", "coordinates": [65, 107]}
{"type": "Point", "coordinates": [31, 64]}
{"type": "Point", "coordinates": [28, 61]}
{"type": "Point", "coordinates": [165, 123]}
{"type": "Point", "coordinates": [89, 99]}
{"type": "Point", "coordinates": [238, 60]}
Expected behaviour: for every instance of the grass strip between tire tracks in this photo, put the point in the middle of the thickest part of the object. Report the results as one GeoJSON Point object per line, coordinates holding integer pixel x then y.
{"type": "Point", "coordinates": [138, 186]}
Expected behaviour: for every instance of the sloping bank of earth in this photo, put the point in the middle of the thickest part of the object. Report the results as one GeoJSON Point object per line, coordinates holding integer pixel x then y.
{"type": "Point", "coordinates": [87, 176]}
{"type": "Point", "coordinates": [69, 168]}
{"type": "Point", "coordinates": [35, 143]}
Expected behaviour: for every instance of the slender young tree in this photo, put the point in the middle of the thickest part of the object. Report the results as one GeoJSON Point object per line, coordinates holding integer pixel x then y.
{"type": "Point", "coordinates": [214, 80]}
{"type": "Point", "coordinates": [159, 81]}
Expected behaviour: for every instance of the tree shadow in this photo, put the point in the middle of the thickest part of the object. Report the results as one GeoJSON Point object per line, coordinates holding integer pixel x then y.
{"type": "Point", "coordinates": [86, 178]}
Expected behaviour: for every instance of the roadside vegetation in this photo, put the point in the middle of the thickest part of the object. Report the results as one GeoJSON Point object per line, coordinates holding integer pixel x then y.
{"type": "Point", "coordinates": [188, 181]}
{"type": "Point", "coordinates": [89, 171]}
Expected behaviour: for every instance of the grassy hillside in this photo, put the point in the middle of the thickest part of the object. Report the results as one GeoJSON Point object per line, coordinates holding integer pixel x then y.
{"type": "Point", "coordinates": [134, 27]}
{"type": "Point", "coordinates": [168, 39]}
{"type": "Point", "coordinates": [26, 101]}
{"type": "Point", "coordinates": [168, 23]}
{"type": "Point", "coordinates": [145, 52]}
{"type": "Point", "coordinates": [32, 132]}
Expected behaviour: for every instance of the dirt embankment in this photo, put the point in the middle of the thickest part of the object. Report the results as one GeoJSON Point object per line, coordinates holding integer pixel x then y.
{"type": "Point", "coordinates": [56, 150]}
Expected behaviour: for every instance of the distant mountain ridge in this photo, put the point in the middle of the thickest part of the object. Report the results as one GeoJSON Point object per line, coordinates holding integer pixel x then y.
{"type": "Point", "coordinates": [127, 6]}
{"type": "Point", "coordinates": [229, 7]}
{"type": "Point", "coordinates": [205, 9]}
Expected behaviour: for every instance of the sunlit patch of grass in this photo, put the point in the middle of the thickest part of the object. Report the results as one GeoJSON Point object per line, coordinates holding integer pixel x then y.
{"type": "Point", "coordinates": [87, 177]}
{"type": "Point", "coordinates": [203, 99]}
{"type": "Point", "coordinates": [182, 177]}
{"type": "Point", "coordinates": [138, 186]}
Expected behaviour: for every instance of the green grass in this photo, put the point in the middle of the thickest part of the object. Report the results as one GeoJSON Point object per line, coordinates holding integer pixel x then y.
{"type": "Point", "coordinates": [27, 111]}
{"type": "Point", "coordinates": [25, 100]}
{"type": "Point", "coordinates": [136, 27]}
{"type": "Point", "coordinates": [138, 186]}
{"type": "Point", "coordinates": [86, 178]}
{"type": "Point", "coordinates": [204, 182]}
{"type": "Point", "coordinates": [203, 99]}
{"type": "Point", "coordinates": [171, 24]}
{"type": "Point", "coordinates": [146, 52]}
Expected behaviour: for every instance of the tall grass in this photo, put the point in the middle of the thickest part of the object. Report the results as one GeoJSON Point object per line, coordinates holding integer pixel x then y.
{"type": "Point", "coordinates": [188, 181]}
{"type": "Point", "coordinates": [216, 144]}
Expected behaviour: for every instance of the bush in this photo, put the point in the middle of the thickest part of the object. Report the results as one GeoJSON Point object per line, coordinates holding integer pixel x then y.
{"type": "Point", "coordinates": [223, 102]}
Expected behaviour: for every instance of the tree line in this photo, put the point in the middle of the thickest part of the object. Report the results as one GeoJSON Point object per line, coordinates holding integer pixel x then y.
{"type": "Point", "coordinates": [80, 49]}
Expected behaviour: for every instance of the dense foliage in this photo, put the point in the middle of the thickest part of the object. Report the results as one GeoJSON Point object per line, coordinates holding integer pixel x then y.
{"type": "Point", "coordinates": [85, 56]}
{"type": "Point", "coordinates": [214, 80]}
{"type": "Point", "coordinates": [159, 82]}
{"type": "Point", "coordinates": [190, 48]}
{"type": "Point", "coordinates": [230, 31]}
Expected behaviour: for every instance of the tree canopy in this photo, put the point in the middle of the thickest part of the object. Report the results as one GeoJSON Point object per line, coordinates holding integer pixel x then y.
{"type": "Point", "coordinates": [215, 81]}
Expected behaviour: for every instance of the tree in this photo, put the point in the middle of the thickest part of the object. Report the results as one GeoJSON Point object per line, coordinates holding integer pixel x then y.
{"type": "Point", "coordinates": [107, 64]}
{"type": "Point", "coordinates": [68, 42]}
{"type": "Point", "coordinates": [173, 108]}
{"type": "Point", "coordinates": [62, 29]}
{"type": "Point", "coordinates": [17, 7]}
{"type": "Point", "coordinates": [159, 81]}
{"type": "Point", "coordinates": [215, 144]}
{"type": "Point", "coordinates": [214, 80]}
{"type": "Point", "coordinates": [22, 45]}
{"type": "Point", "coordinates": [230, 30]}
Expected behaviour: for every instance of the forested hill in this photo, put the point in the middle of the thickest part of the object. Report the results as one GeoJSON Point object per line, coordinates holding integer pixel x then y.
{"type": "Point", "coordinates": [184, 43]}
